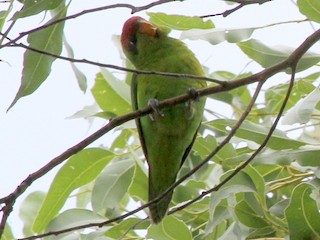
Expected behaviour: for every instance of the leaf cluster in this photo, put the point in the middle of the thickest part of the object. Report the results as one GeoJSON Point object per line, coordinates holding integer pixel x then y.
{"type": "Point", "coordinates": [275, 196]}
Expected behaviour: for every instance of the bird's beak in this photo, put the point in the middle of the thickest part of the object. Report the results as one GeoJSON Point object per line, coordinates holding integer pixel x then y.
{"type": "Point", "coordinates": [148, 28]}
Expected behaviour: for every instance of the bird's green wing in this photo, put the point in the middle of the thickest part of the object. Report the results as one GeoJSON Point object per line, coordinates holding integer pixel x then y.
{"type": "Point", "coordinates": [134, 100]}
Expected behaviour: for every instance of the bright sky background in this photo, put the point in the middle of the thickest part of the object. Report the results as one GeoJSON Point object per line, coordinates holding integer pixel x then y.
{"type": "Point", "coordinates": [36, 129]}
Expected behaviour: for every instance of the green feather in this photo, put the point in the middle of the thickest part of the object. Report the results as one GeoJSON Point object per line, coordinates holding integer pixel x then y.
{"type": "Point", "coordinates": [166, 141]}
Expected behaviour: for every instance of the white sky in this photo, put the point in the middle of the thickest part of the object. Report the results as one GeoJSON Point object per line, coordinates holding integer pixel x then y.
{"type": "Point", "coordinates": [36, 129]}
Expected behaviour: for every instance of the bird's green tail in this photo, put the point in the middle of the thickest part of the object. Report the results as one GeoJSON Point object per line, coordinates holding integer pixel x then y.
{"type": "Point", "coordinates": [159, 210]}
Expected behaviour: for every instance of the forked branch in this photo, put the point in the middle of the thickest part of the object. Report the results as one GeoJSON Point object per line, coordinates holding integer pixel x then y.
{"type": "Point", "coordinates": [261, 77]}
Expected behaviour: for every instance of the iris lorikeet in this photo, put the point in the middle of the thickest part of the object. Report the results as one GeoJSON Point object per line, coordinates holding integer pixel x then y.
{"type": "Point", "coordinates": [166, 140]}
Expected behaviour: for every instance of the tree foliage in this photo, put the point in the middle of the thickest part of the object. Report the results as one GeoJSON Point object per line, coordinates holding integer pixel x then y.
{"type": "Point", "coordinates": [252, 173]}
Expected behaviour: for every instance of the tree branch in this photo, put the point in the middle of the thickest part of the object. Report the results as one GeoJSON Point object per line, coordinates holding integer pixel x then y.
{"type": "Point", "coordinates": [85, 61]}
{"type": "Point", "coordinates": [133, 8]}
{"type": "Point", "coordinates": [249, 160]}
{"type": "Point", "coordinates": [217, 149]}
{"type": "Point", "coordinates": [241, 4]}
{"type": "Point", "coordinates": [260, 77]}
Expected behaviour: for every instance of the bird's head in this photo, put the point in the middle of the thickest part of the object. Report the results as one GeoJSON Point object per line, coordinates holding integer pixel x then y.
{"type": "Point", "coordinates": [138, 37]}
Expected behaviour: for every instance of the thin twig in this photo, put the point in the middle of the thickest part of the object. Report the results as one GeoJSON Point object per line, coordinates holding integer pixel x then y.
{"type": "Point", "coordinates": [132, 228]}
{"type": "Point", "coordinates": [85, 61]}
{"type": "Point", "coordinates": [212, 154]}
{"type": "Point", "coordinates": [10, 199]}
{"type": "Point", "coordinates": [219, 147]}
{"type": "Point", "coordinates": [291, 62]}
{"type": "Point", "coordinates": [133, 8]}
{"type": "Point", "coordinates": [241, 4]}
{"type": "Point", "coordinates": [73, 150]}
{"type": "Point", "coordinates": [249, 160]}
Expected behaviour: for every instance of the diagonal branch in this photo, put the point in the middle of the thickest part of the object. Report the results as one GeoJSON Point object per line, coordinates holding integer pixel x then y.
{"type": "Point", "coordinates": [212, 154]}
{"type": "Point", "coordinates": [219, 147]}
{"type": "Point", "coordinates": [241, 4]}
{"type": "Point", "coordinates": [9, 200]}
{"type": "Point", "coordinates": [133, 8]}
{"type": "Point", "coordinates": [85, 61]}
{"type": "Point", "coordinates": [290, 62]}
{"type": "Point", "coordinates": [252, 157]}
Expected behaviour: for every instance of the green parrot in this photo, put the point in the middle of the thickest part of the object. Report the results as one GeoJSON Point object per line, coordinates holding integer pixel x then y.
{"type": "Point", "coordinates": [168, 135]}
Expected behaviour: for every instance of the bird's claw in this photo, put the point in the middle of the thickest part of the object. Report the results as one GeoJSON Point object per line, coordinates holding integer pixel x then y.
{"type": "Point", "coordinates": [193, 93]}
{"type": "Point", "coordinates": [194, 96]}
{"type": "Point", "coordinates": [156, 112]}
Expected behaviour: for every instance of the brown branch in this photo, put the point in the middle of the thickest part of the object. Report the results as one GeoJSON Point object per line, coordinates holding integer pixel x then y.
{"type": "Point", "coordinates": [226, 140]}
{"type": "Point", "coordinates": [133, 8]}
{"type": "Point", "coordinates": [290, 62]}
{"type": "Point", "coordinates": [11, 198]}
{"type": "Point", "coordinates": [85, 61]}
{"type": "Point", "coordinates": [207, 159]}
{"type": "Point", "coordinates": [252, 157]}
{"type": "Point", "coordinates": [241, 4]}
{"type": "Point", "coordinates": [87, 141]}
{"type": "Point", "coordinates": [247, 2]}
{"type": "Point", "coordinates": [218, 148]}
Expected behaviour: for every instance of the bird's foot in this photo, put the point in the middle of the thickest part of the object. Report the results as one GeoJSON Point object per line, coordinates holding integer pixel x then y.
{"type": "Point", "coordinates": [194, 96]}
{"type": "Point", "coordinates": [193, 93]}
{"type": "Point", "coordinates": [156, 112]}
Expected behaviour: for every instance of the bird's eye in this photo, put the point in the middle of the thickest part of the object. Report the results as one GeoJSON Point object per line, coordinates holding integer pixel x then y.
{"type": "Point", "coordinates": [133, 45]}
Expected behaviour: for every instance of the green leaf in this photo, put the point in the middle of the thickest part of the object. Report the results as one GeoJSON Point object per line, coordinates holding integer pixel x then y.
{"type": "Point", "coordinates": [87, 112]}
{"type": "Point", "coordinates": [7, 233]}
{"type": "Point", "coordinates": [267, 56]}
{"type": "Point", "coordinates": [310, 8]}
{"type": "Point", "coordinates": [118, 230]}
{"type": "Point", "coordinates": [240, 183]}
{"type": "Point", "coordinates": [121, 142]}
{"type": "Point", "coordinates": [72, 218]}
{"type": "Point", "coordinates": [112, 94]}
{"type": "Point", "coordinates": [37, 66]}
{"type": "Point", "coordinates": [307, 156]}
{"type": "Point", "coordinates": [302, 213]}
{"type": "Point", "coordinates": [79, 170]}
{"type": "Point", "coordinates": [3, 17]}
{"type": "Point", "coordinates": [237, 98]}
{"type": "Point", "coordinates": [179, 22]}
{"type": "Point", "coordinates": [29, 209]}
{"type": "Point", "coordinates": [82, 80]}
{"type": "Point", "coordinates": [205, 146]}
{"type": "Point", "coordinates": [119, 86]}
{"type": "Point", "coordinates": [83, 196]}
{"type": "Point", "coordinates": [249, 216]}
{"type": "Point", "coordinates": [216, 36]}
{"type": "Point", "coordinates": [203, 173]}
{"type": "Point", "coordinates": [235, 231]}
{"type": "Point", "coordinates": [139, 187]}
{"type": "Point", "coordinates": [261, 233]}
{"type": "Point", "coordinates": [188, 191]}
{"type": "Point", "coordinates": [112, 184]}
{"type": "Point", "coordinates": [275, 95]}
{"type": "Point", "coordinates": [257, 133]}
{"type": "Point", "coordinates": [302, 111]}
{"type": "Point", "coordinates": [32, 7]}
{"type": "Point", "coordinates": [259, 184]}
{"type": "Point", "coordinates": [278, 208]}
{"type": "Point", "coordinates": [169, 228]}
{"type": "Point", "coordinates": [279, 157]}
